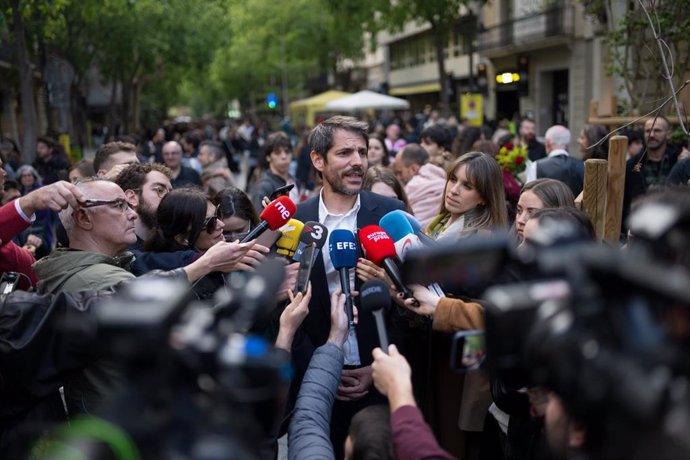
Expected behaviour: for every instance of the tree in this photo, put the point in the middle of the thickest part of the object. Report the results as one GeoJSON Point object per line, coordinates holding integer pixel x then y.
{"type": "Point", "coordinates": [442, 15]}
{"type": "Point", "coordinates": [633, 54]}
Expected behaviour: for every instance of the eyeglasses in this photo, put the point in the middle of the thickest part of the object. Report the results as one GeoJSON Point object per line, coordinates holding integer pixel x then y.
{"type": "Point", "coordinates": [211, 222]}
{"type": "Point", "coordinates": [117, 203]}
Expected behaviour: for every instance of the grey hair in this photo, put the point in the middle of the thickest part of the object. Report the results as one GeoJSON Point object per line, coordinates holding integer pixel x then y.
{"type": "Point", "coordinates": [66, 214]}
{"type": "Point", "coordinates": [22, 169]}
{"type": "Point", "coordinates": [558, 135]}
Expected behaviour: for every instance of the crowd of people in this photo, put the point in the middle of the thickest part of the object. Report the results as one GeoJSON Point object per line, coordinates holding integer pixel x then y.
{"type": "Point", "coordinates": [182, 202]}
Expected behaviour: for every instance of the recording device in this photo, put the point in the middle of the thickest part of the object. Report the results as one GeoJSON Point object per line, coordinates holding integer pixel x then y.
{"type": "Point", "coordinates": [274, 216]}
{"type": "Point", "coordinates": [281, 191]}
{"type": "Point", "coordinates": [342, 247]}
{"type": "Point", "coordinates": [380, 249]}
{"type": "Point", "coordinates": [192, 385]}
{"type": "Point", "coordinates": [312, 232]}
{"type": "Point", "coordinates": [376, 300]}
{"type": "Point", "coordinates": [598, 326]}
{"type": "Point", "coordinates": [306, 262]}
{"type": "Point", "coordinates": [9, 282]}
{"type": "Point", "coordinates": [468, 351]}
{"type": "Point", "coordinates": [288, 242]}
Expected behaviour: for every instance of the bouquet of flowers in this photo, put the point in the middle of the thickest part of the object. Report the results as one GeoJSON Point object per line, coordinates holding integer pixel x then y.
{"type": "Point", "coordinates": [513, 159]}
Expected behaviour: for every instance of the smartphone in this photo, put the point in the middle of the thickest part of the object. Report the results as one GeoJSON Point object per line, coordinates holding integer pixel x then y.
{"type": "Point", "coordinates": [281, 191]}
{"type": "Point", "coordinates": [269, 238]}
{"type": "Point", "coordinates": [468, 351]}
{"type": "Point", "coordinates": [306, 262]}
{"type": "Point", "coordinates": [9, 282]}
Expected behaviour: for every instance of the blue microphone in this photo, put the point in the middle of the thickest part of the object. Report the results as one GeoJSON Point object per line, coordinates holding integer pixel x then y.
{"type": "Point", "coordinates": [398, 224]}
{"type": "Point", "coordinates": [417, 228]}
{"type": "Point", "coordinates": [342, 246]}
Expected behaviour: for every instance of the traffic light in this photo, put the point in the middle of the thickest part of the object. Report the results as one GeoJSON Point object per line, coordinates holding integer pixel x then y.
{"type": "Point", "coordinates": [272, 101]}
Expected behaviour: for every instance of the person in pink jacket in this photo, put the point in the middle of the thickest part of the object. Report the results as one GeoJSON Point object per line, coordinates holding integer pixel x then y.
{"type": "Point", "coordinates": [424, 182]}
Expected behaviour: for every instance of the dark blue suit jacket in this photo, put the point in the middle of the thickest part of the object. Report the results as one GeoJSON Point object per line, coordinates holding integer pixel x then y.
{"type": "Point", "coordinates": [317, 325]}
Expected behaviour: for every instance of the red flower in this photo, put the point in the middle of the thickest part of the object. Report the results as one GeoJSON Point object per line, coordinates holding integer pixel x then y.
{"type": "Point", "coordinates": [510, 146]}
{"type": "Point", "coordinates": [519, 160]}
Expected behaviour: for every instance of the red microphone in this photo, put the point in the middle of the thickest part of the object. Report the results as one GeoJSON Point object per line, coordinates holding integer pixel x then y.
{"type": "Point", "coordinates": [380, 249]}
{"type": "Point", "coordinates": [275, 215]}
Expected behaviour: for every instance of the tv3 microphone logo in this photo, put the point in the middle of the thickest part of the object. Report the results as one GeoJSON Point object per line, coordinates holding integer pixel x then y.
{"type": "Point", "coordinates": [316, 231]}
{"type": "Point", "coordinates": [284, 212]}
{"type": "Point", "coordinates": [378, 236]}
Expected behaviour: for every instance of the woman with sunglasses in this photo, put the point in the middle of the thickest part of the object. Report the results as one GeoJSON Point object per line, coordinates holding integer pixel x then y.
{"type": "Point", "coordinates": [186, 219]}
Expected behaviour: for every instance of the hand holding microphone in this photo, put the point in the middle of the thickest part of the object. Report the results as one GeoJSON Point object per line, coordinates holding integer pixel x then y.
{"type": "Point", "coordinates": [342, 248]}
{"type": "Point", "coordinates": [380, 249]}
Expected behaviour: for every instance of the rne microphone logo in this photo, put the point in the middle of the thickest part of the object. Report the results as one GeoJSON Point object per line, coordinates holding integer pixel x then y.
{"type": "Point", "coordinates": [283, 210]}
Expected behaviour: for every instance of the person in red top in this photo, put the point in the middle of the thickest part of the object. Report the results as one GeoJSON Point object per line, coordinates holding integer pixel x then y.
{"type": "Point", "coordinates": [17, 215]}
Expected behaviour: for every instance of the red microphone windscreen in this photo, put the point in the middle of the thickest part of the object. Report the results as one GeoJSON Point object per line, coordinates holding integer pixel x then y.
{"type": "Point", "coordinates": [278, 212]}
{"type": "Point", "coordinates": [376, 243]}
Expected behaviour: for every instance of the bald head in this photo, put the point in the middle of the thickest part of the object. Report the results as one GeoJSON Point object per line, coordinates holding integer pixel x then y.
{"type": "Point", "coordinates": [172, 155]}
{"type": "Point", "coordinates": [557, 137]}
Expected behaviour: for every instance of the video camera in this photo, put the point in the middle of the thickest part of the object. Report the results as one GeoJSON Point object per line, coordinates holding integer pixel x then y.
{"type": "Point", "coordinates": [607, 330]}
{"type": "Point", "coordinates": [194, 383]}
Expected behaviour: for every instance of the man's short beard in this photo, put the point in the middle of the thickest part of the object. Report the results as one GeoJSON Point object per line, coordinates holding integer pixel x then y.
{"type": "Point", "coordinates": [147, 216]}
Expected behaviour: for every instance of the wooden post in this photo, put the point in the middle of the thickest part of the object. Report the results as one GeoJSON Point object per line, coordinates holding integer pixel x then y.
{"type": "Point", "coordinates": [594, 194]}
{"type": "Point", "coordinates": [618, 146]}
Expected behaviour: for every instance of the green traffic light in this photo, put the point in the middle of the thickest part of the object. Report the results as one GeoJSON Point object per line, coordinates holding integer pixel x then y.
{"type": "Point", "coordinates": [272, 105]}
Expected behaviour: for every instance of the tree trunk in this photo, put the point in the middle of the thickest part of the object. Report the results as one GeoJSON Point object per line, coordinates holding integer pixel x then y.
{"type": "Point", "coordinates": [124, 104]}
{"type": "Point", "coordinates": [136, 102]}
{"type": "Point", "coordinates": [439, 44]}
{"type": "Point", "coordinates": [113, 110]}
{"type": "Point", "coordinates": [26, 85]}
{"type": "Point", "coordinates": [78, 111]}
{"type": "Point", "coordinates": [50, 126]}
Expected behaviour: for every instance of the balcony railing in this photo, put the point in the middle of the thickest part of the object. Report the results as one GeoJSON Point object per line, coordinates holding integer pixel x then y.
{"type": "Point", "coordinates": [554, 22]}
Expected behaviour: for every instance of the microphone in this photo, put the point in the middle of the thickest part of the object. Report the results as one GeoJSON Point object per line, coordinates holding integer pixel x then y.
{"type": "Point", "coordinates": [380, 249]}
{"type": "Point", "coordinates": [287, 243]}
{"type": "Point", "coordinates": [274, 216]}
{"type": "Point", "coordinates": [313, 232]}
{"type": "Point", "coordinates": [375, 298]}
{"type": "Point", "coordinates": [342, 247]}
{"type": "Point", "coordinates": [397, 225]}
{"type": "Point", "coordinates": [417, 228]}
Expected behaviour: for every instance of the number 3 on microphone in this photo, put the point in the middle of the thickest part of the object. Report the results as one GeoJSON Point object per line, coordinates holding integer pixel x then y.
{"type": "Point", "coordinates": [317, 233]}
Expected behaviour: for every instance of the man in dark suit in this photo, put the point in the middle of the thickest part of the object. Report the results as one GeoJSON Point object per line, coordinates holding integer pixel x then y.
{"type": "Point", "coordinates": [558, 165]}
{"type": "Point", "coordinates": [338, 150]}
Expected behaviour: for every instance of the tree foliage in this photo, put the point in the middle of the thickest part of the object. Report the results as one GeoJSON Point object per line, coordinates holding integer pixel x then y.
{"type": "Point", "coordinates": [634, 55]}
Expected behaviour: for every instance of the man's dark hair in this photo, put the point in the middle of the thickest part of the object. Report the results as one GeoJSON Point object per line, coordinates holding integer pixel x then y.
{"type": "Point", "coordinates": [660, 117]}
{"type": "Point", "coordinates": [49, 141]}
{"type": "Point", "coordinates": [527, 119]}
{"type": "Point", "coordinates": [106, 150]}
{"type": "Point", "coordinates": [413, 154]}
{"type": "Point", "coordinates": [438, 134]}
{"type": "Point", "coordinates": [134, 175]}
{"type": "Point", "coordinates": [370, 430]}
{"type": "Point", "coordinates": [215, 147]}
{"type": "Point", "coordinates": [274, 142]}
{"type": "Point", "coordinates": [321, 137]}
{"type": "Point", "coordinates": [192, 138]}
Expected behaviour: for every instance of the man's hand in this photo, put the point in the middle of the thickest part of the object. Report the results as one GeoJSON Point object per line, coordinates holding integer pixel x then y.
{"type": "Point", "coordinates": [56, 197]}
{"type": "Point", "coordinates": [685, 153]}
{"type": "Point", "coordinates": [393, 377]}
{"type": "Point", "coordinates": [354, 383]}
{"type": "Point", "coordinates": [292, 317]}
{"type": "Point", "coordinates": [115, 171]}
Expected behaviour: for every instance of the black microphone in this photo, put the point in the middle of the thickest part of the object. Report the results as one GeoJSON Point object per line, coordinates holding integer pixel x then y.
{"type": "Point", "coordinates": [312, 232]}
{"type": "Point", "coordinates": [342, 247]}
{"type": "Point", "coordinates": [375, 298]}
